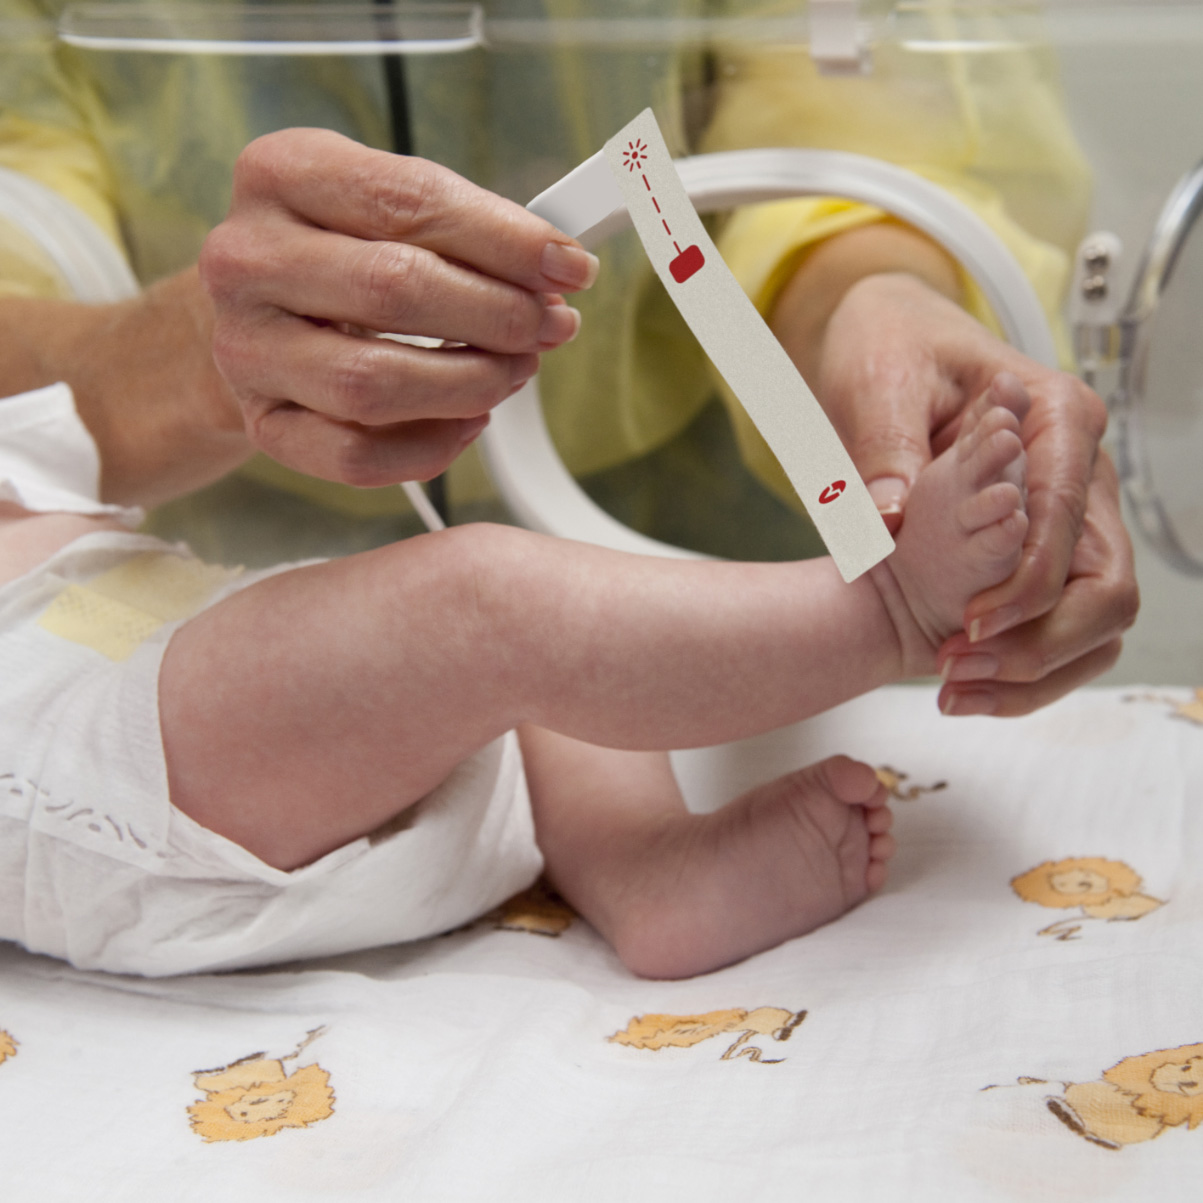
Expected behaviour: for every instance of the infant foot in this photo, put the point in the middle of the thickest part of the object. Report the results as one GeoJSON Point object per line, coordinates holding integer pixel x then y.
{"type": "Point", "coordinates": [776, 863]}
{"type": "Point", "coordinates": [964, 523]}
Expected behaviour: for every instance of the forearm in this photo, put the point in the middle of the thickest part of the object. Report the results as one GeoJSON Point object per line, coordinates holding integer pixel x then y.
{"type": "Point", "coordinates": [144, 383]}
{"type": "Point", "coordinates": [805, 305]}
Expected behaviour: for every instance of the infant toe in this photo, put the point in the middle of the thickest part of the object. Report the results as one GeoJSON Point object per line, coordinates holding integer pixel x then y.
{"type": "Point", "coordinates": [993, 504]}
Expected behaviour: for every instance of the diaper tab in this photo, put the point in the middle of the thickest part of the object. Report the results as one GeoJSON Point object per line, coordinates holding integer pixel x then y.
{"type": "Point", "coordinates": [120, 609]}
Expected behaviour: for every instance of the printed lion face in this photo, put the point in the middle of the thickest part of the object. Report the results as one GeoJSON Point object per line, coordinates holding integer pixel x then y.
{"type": "Point", "coordinates": [1167, 1084]}
{"type": "Point", "coordinates": [8, 1046]}
{"type": "Point", "coordinates": [1076, 881]}
{"type": "Point", "coordinates": [263, 1109]}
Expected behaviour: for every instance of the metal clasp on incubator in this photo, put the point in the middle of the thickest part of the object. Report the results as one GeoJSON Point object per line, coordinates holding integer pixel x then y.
{"type": "Point", "coordinates": [1112, 338]}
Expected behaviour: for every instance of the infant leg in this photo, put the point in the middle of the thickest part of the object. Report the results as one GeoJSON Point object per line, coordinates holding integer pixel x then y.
{"type": "Point", "coordinates": [315, 705]}
{"type": "Point", "coordinates": [678, 894]}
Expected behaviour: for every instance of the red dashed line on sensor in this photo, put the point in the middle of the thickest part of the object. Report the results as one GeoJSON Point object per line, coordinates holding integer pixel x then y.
{"type": "Point", "coordinates": [689, 260]}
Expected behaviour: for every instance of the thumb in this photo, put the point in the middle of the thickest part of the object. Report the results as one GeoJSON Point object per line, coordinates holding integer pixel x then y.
{"type": "Point", "coordinates": [889, 455]}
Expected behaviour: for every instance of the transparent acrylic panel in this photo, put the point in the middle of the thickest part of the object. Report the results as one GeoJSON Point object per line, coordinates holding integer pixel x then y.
{"type": "Point", "coordinates": [515, 93]}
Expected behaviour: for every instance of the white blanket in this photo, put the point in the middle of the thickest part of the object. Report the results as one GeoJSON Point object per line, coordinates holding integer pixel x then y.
{"type": "Point", "coordinates": [949, 1049]}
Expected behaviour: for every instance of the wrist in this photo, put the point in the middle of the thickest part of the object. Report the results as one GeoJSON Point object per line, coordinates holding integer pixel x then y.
{"type": "Point", "coordinates": [882, 256]}
{"type": "Point", "coordinates": [145, 384]}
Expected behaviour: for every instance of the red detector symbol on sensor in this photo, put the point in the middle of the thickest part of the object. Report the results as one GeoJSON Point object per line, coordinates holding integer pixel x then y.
{"type": "Point", "coordinates": [686, 263]}
{"type": "Point", "coordinates": [832, 491]}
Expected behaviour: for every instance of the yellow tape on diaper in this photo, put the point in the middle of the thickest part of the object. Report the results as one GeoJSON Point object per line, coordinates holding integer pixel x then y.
{"type": "Point", "coordinates": [120, 609]}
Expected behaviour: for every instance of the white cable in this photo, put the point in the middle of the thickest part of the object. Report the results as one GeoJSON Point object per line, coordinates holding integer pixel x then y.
{"type": "Point", "coordinates": [422, 503]}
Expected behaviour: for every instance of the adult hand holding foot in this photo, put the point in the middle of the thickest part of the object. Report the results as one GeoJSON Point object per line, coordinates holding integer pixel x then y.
{"type": "Point", "coordinates": [871, 320]}
{"type": "Point", "coordinates": [327, 243]}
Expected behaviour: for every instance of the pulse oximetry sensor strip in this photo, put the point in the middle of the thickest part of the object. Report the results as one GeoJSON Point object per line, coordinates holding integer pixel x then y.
{"type": "Point", "coordinates": [635, 172]}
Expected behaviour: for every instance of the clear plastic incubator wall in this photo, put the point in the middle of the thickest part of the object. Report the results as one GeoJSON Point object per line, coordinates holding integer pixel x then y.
{"type": "Point", "coordinates": [1077, 123]}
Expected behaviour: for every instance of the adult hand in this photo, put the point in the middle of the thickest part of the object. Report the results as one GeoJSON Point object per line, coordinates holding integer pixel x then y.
{"type": "Point", "coordinates": [327, 243]}
{"type": "Point", "coordinates": [899, 362]}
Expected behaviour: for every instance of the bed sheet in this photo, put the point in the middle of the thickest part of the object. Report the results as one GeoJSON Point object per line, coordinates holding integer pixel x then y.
{"type": "Point", "coordinates": [1018, 1015]}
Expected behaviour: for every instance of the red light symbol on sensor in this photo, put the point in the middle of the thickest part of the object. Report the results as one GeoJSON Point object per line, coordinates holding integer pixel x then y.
{"type": "Point", "coordinates": [635, 155]}
{"type": "Point", "coordinates": [832, 491]}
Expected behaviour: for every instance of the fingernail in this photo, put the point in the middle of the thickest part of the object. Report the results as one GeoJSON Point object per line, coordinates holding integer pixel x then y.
{"type": "Point", "coordinates": [994, 623]}
{"type": "Point", "coordinates": [560, 325]}
{"type": "Point", "coordinates": [887, 493]}
{"type": "Point", "coordinates": [568, 266]}
{"type": "Point", "coordinates": [960, 705]}
{"type": "Point", "coordinates": [979, 666]}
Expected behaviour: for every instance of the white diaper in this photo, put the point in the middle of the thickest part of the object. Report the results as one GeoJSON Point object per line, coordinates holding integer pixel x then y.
{"type": "Point", "coordinates": [96, 865]}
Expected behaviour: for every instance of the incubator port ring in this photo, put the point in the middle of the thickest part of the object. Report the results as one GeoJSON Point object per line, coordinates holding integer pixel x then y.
{"type": "Point", "coordinates": [90, 265]}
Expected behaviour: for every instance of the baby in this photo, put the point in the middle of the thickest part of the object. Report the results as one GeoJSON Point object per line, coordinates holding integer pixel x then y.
{"type": "Point", "coordinates": [207, 770]}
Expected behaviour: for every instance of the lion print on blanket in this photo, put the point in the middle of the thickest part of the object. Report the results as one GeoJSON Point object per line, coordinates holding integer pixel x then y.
{"type": "Point", "coordinates": [1191, 710]}
{"type": "Point", "coordinates": [1102, 889]}
{"type": "Point", "coordinates": [254, 1097]}
{"type": "Point", "coordinates": [892, 779]}
{"type": "Point", "coordinates": [1137, 1099]}
{"type": "Point", "coordinates": [683, 1031]}
{"type": "Point", "coordinates": [8, 1046]}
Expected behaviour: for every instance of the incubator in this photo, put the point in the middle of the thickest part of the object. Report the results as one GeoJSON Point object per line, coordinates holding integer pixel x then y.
{"type": "Point", "coordinates": [1051, 146]}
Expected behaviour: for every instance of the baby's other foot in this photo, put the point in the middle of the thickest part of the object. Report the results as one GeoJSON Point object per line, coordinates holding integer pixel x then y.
{"type": "Point", "coordinates": [779, 861]}
{"type": "Point", "coordinates": [964, 523]}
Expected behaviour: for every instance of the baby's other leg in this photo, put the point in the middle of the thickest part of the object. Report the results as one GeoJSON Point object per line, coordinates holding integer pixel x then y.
{"type": "Point", "coordinates": [676, 894]}
{"type": "Point", "coordinates": [315, 705]}
{"type": "Point", "coordinates": [964, 523]}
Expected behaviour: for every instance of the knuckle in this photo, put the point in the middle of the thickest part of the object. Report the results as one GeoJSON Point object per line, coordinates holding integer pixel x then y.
{"type": "Point", "coordinates": [392, 277]}
{"type": "Point", "coordinates": [258, 168]}
{"type": "Point", "coordinates": [1077, 405]}
{"type": "Point", "coordinates": [265, 423]}
{"type": "Point", "coordinates": [518, 323]}
{"type": "Point", "coordinates": [243, 343]}
{"type": "Point", "coordinates": [1065, 505]}
{"type": "Point", "coordinates": [356, 382]}
{"type": "Point", "coordinates": [406, 200]}
{"type": "Point", "coordinates": [1044, 568]}
{"type": "Point", "coordinates": [222, 261]}
{"type": "Point", "coordinates": [890, 440]}
{"type": "Point", "coordinates": [227, 346]}
{"type": "Point", "coordinates": [355, 458]}
{"type": "Point", "coordinates": [238, 260]}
